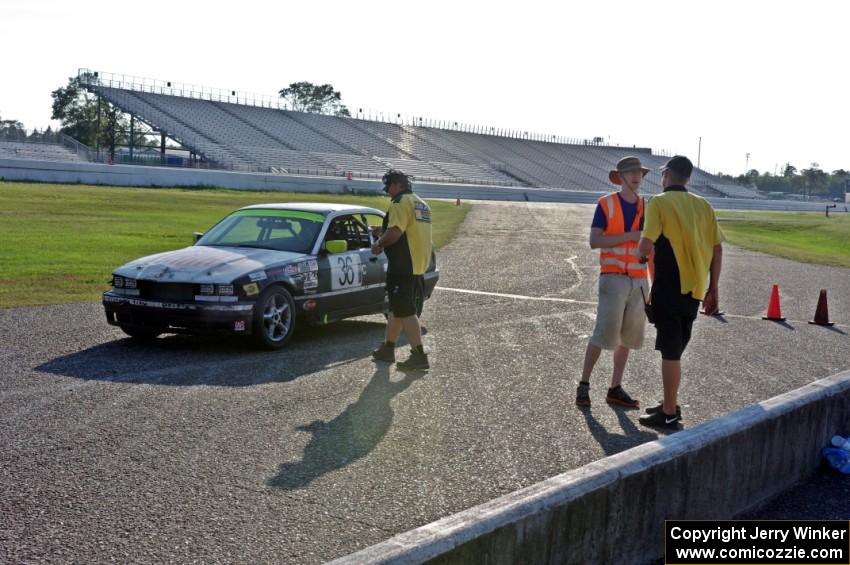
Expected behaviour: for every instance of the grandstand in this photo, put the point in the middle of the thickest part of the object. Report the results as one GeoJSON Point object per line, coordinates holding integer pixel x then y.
{"type": "Point", "coordinates": [45, 147]}
{"type": "Point", "coordinates": [243, 132]}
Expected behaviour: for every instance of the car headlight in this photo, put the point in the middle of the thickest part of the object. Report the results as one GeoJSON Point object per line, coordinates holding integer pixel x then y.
{"type": "Point", "coordinates": [129, 283]}
{"type": "Point", "coordinates": [224, 289]}
{"type": "Point", "coordinates": [117, 282]}
{"type": "Point", "coordinates": [207, 289]}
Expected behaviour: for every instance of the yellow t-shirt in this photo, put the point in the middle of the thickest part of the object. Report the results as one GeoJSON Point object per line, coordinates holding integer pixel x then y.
{"type": "Point", "coordinates": [689, 222]}
{"type": "Point", "coordinates": [412, 253]}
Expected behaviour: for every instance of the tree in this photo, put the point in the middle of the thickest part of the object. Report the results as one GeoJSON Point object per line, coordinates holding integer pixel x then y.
{"type": "Point", "coordinates": [308, 97]}
{"type": "Point", "coordinates": [790, 170]}
{"type": "Point", "coordinates": [76, 108]}
{"type": "Point", "coordinates": [11, 128]}
{"type": "Point", "coordinates": [815, 180]}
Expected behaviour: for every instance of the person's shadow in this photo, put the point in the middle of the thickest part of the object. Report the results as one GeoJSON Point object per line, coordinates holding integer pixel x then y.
{"type": "Point", "coordinates": [348, 437]}
{"type": "Point", "coordinates": [616, 442]}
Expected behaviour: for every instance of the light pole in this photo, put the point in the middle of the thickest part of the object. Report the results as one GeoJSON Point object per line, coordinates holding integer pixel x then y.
{"type": "Point", "coordinates": [699, 151]}
{"type": "Point", "coordinates": [747, 166]}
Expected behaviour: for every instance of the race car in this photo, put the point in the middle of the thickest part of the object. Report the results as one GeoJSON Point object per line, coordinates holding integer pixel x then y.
{"type": "Point", "coordinates": [256, 273]}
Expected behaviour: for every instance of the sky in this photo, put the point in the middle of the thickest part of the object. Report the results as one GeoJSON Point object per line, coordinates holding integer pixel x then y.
{"type": "Point", "coordinates": [760, 83]}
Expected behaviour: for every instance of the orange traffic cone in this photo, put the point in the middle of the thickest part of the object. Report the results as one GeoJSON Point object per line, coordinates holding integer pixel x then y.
{"type": "Point", "coordinates": [774, 312]}
{"type": "Point", "coordinates": [822, 312]}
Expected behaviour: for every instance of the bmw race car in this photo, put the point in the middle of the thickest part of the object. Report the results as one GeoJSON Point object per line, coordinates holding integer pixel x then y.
{"type": "Point", "coordinates": [258, 272]}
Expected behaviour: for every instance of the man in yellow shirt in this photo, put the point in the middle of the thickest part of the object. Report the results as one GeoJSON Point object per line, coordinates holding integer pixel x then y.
{"type": "Point", "coordinates": [406, 239]}
{"type": "Point", "coordinates": [684, 232]}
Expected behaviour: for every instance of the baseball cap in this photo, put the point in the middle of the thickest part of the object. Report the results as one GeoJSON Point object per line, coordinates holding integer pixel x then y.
{"type": "Point", "coordinates": [680, 165]}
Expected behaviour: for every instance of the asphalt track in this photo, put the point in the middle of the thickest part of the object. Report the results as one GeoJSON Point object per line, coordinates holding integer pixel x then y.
{"type": "Point", "coordinates": [198, 450]}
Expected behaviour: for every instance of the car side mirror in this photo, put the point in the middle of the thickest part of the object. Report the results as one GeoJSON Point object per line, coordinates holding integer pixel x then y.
{"type": "Point", "coordinates": [198, 235]}
{"type": "Point", "coordinates": [336, 246]}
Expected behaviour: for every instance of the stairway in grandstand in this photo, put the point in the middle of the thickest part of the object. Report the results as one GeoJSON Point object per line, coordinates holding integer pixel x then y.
{"type": "Point", "coordinates": [264, 139]}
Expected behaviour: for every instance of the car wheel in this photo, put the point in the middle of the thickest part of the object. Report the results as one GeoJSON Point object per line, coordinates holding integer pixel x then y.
{"type": "Point", "coordinates": [274, 318]}
{"type": "Point", "coordinates": [142, 334]}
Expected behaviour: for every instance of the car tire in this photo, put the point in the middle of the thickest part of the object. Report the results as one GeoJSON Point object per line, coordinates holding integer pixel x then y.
{"type": "Point", "coordinates": [274, 318]}
{"type": "Point", "coordinates": [141, 334]}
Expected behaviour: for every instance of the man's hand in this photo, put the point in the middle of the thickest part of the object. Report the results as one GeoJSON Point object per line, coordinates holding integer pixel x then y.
{"type": "Point", "coordinates": [711, 302]}
{"type": "Point", "coordinates": [376, 249]}
{"type": "Point", "coordinates": [634, 236]}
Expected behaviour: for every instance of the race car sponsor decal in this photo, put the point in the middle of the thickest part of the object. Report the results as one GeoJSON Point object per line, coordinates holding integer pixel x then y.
{"type": "Point", "coordinates": [311, 280]}
{"type": "Point", "coordinates": [275, 273]}
{"type": "Point", "coordinates": [257, 276]}
{"type": "Point", "coordinates": [291, 270]}
{"type": "Point", "coordinates": [239, 326]}
{"type": "Point", "coordinates": [313, 265]}
{"type": "Point", "coordinates": [251, 289]}
{"type": "Point", "coordinates": [346, 271]}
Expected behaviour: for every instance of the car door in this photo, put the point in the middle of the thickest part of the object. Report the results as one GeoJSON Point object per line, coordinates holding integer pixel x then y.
{"type": "Point", "coordinates": [345, 278]}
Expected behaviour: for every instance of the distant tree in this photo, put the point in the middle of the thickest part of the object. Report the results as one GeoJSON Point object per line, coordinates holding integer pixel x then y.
{"type": "Point", "coordinates": [11, 127]}
{"type": "Point", "coordinates": [815, 180]}
{"type": "Point", "coordinates": [789, 171]}
{"type": "Point", "coordinates": [309, 97]}
{"type": "Point", "coordinates": [76, 108]}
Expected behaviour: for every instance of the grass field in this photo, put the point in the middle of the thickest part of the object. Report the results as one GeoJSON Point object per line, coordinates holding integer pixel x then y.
{"type": "Point", "coordinates": [59, 243]}
{"type": "Point", "coordinates": [805, 237]}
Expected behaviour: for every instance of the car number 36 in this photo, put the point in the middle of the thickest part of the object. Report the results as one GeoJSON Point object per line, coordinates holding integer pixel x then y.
{"type": "Point", "coordinates": [346, 271]}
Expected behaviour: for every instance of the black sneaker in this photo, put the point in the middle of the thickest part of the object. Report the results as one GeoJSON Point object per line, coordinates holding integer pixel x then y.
{"type": "Point", "coordinates": [661, 420]}
{"type": "Point", "coordinates": [416, 362]}
{"type": "Point", "coordinates": [583, 394]}
{"type": "Point", "coordinates": [384, 353]}
{"type": "Point", "coordinates": [654, 409]}
{"type": "Point", "coordinates": [619, 396]}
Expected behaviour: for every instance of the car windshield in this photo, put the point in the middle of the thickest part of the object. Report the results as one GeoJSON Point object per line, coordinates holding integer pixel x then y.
{"type": "Point", "coordinates": [281, 230]}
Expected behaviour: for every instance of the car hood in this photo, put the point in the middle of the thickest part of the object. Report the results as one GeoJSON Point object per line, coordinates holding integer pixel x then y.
{"type": "Point", "coordinates": [203, 264]}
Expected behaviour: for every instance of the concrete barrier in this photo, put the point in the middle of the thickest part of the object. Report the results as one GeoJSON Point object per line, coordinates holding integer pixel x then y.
{"type": "Point", "coordinates": [137, 175]}
{"type": "Point", "coordinates": [613, 510]}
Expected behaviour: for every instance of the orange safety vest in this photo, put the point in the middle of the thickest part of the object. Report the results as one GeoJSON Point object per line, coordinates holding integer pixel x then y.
{"type": "Point", "coordinates": [621, 259]}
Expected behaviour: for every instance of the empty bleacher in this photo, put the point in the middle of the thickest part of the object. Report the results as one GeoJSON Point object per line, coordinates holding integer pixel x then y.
{"type": "Point", "coordinates": [40, 151]}
{"type": "Point", "coordinates": [245, 137]}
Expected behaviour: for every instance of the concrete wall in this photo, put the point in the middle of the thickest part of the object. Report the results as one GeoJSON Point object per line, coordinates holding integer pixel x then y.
{"type": "Point", "coordinates": [136, 175]}
{"type": "Point", "coordinates": [613, 510]}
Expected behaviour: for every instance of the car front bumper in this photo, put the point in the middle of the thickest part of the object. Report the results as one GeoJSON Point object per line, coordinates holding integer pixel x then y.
{"type": "Point", "coordinates": [178, 317]}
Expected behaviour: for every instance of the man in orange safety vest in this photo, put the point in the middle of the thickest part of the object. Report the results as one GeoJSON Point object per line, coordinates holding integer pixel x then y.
{"type": "Point", "coordinates": [620, 318]}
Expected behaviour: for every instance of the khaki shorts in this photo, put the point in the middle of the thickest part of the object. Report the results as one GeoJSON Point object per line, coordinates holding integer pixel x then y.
{"type": "Point", "coordinates": [620, 319]}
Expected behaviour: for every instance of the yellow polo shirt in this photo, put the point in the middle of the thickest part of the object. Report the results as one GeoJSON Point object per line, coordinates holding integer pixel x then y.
{"type": "Point", "coordinates": [689, 222]}
{"type": "Point", "coordinates": [412, 253]}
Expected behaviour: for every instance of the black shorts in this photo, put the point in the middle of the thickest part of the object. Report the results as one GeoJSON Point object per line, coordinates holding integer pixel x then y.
{"type": "Point", "coordinates": [673, 328]}
{"type": "Point", "coordinates": [406, 294]}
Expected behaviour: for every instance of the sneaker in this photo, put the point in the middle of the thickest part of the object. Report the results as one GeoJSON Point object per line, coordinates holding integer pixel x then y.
{"type": "Point", "coordinates": [661, 420]}
{"type": "Point", "coordinates": [384, 353]}
{"type": "Point", "coordinates": [416, 362]}
{"type": "Point", "coordinates": [583, 394]}
{"type": "Point", "coordinates": [619, 396]}
{"type": "Point", "coordinates": [654, 409]}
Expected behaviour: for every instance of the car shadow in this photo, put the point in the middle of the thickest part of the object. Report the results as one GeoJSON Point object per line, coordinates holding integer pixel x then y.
{"type": "Point", "coordinates": [178, 360]}
{"type": "Point", "coordinates": [350, 436]}
{"type": "Point", "coordinates": [612, 442]}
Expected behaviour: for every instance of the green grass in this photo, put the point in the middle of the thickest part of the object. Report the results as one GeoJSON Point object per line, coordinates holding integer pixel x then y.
{"type": "Point", "coordinates": [59, 243]}
{"type": "Point", "coordinates": [804, 237]}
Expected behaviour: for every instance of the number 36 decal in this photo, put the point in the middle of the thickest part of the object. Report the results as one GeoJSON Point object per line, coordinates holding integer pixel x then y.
{"type": "Point", "coordinates": [346, 271]}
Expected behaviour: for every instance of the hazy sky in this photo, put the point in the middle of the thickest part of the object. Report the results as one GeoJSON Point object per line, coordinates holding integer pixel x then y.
{"type": "Point", "coordinates": [765, 78]}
